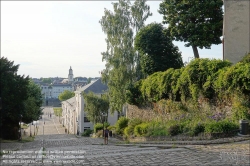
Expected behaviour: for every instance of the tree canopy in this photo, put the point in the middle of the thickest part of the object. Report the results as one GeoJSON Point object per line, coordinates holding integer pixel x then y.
{"type": "Point", "coordinates": [65, 95]}
{"type": "Point", "coordinates": [199, 23]}
{"type": "Point", "coordinates": [95, 106]}
{"type": "Point", "coordinates": [157, 51]}
{"type": "Point", "coordinates": [21, 99]}
{"type": "Point", "coordinates": [120, 56]}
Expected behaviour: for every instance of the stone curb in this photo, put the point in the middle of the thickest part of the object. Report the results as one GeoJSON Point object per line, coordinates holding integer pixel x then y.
{"type": "Point", "coordinates": [203, 142]}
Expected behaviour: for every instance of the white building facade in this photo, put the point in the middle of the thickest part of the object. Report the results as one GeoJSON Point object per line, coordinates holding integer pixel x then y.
{"type": "Point", "coordinates": [79, 121]}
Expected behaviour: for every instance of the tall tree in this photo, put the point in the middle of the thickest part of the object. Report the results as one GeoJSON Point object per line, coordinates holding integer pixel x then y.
{"type": "Point", "coordinates": [95, 106]}
{"type": "Point", "coordinates": [140, 11]}
{"type": "Point", "coordinates": [32, 106]}
{"type": "Point", "coordinates": [65, 95]}
{"type": "Point", "coordinates": [120, 55]}
{"type": "Point", "coordinates": [199, 23]}
{"type": "Point", "coordinates": [13, 93]}
{"type": "Point", "coordinates": [156, 49]}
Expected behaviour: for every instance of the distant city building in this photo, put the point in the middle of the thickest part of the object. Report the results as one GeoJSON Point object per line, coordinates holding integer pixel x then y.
{"type": "Point", "coordinates": [70, 76]}
{"type": "Point", "coordinates": [59, 85]}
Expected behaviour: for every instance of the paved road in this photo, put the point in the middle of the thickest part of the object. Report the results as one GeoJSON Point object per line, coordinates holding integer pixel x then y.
{"type": "Point", "coordinates": [49, 124]}
{"type": "Point", "coordinates": [67, 149]}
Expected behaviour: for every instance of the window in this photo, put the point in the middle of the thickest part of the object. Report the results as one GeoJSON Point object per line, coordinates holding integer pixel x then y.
{"type": "Point", "coordinates": [86, 119]}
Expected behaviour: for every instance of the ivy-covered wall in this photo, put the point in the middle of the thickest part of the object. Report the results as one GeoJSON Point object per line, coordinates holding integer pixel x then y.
{"type": "Point", "coordinates": [203, 86]}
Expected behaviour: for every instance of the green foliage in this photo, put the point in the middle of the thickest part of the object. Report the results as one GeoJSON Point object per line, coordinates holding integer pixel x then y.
{"type": "Point", "coordinates": [241, 107]}
{"type": "Point", "coordinates": [174, 130]}
{"type": "Point", "coordinates": [133, 93]}
{"type": "Point", "coordinates": [120, 56]}
{"type": "Point", "coordinates": [129, 130]}
{"type": "Point", "coordinates": [141, 129]}
{"type": "Point", "coordinates": [223, 126]}
{"type": "Point", "coordinates": [156, 128]}
{"type": "Point", "coordinates": [65, 95]}
{"type": "Point", "coordinates": [186, 23]}
{"type": "Point", "coordinates": [161, 85]}
{"type": "Point", "coordinates": [99, 126]}
{"type": "Point", "coordinates": [95, 106]}
{"type": "Point", "coordinates": [111, 128]}
{"type": "Point", "coordinates": [246, 58]}
{"type": "Point", "coordinates": [121, 124]}
{"type": "Point", "coordinates": [58, 111]}
{"type": "Point", "coordinates": [157, 51]}
{"type": "Point", "coordinates": [235, 78]}
{"type": "Point", "coordinates": [13, 92]}
{"type": "Point", "coordinates": [199, 76]}
{"type": "Point", "coordinates": [87, 133]}
{"type": "Point", "coordinates": [196, 129]}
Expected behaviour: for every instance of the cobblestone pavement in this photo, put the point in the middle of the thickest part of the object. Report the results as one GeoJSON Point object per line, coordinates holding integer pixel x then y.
{"type": "Point", "coordinates": [66, 149]}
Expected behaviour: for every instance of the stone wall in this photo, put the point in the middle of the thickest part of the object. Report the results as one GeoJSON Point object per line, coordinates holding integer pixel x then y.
{"type": "Point", "coordinates": [146, 113]}
{"type": "Point", "coordinates": [236, 29]}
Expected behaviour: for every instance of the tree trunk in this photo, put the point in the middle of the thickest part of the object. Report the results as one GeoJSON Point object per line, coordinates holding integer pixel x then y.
{"type": "Point", "coordinates": [196, 53]}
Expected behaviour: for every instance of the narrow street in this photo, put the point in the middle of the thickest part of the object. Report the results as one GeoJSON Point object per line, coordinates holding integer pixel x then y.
{"type": "Point", "coordinates": [68, 149]}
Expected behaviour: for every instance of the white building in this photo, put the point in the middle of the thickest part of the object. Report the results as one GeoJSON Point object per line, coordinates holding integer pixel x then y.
{"type": "Point", "coordinates": [74, 109]}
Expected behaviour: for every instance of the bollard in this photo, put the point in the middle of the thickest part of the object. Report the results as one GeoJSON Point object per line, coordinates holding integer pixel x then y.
{"type": "Point", "coordinates": [243, 127]}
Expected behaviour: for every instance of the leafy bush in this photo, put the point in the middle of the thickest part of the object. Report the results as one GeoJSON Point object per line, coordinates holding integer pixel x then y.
{"type": "Point", "coordinates": [87, 133]}
{"type": "Point", "coordinates": [246, 58]}
{"type": "Point", "coordinates": [133, 93]}
{"type": "Point", "coordinates": [196, 129]}
{"type": "Point", "coordinates": [223, 126]}
{"type": "Point", "coordinates": [174, 130]}
{"type": "Point", "coordinates": [141, 129]}
{"type": "Point", "coordinates": [99, 126]}
{"type": "Point", "coordinates": [111, 128]}
{"type": "Point", "coordinates": [121, 124]}
{"type": "Point", "coordinates": [131, 125]}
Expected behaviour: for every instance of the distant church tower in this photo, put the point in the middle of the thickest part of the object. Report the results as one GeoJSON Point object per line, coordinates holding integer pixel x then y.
{"type": "Point", "coordinates": [236, 29]}
{"type": "Point", "coordinates": [71, 76]}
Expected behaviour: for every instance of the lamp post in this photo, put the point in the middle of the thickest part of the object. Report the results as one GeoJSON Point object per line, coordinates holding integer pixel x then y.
{"type": "Point", "coordinates": [103, 120]}
{"type": "Point", "coordinates": [30, 129]}
{"type": "Point", "coordinates": [77, 130]}
{"type": "Point", "coordinates": [34, 130]}
{"type": "Point", "coordinates": [20, 128]}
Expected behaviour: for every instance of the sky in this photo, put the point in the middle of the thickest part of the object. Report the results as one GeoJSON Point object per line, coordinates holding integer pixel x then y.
{"type": "Point", "coordinates": [47, 37]}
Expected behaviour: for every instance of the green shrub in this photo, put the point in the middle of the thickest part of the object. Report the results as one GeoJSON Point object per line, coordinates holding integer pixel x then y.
{"type": "Point", "coordinates": [174, 130]}
{"type": "Point", "coordinates": [133, 93]}
{"type": "Point", "coordinates": [141, 129]}
{"type": "Point", "coordinates": [131, 125]}
{"type": "Point", "coordinates": [87, 133]}
{"type": "Point", "coordinates": [223, 126]}
{"type": "Point", "coordinates": [99, 126]}
{"type": "Point", "coordinates": [197, 129]}
{"type": "Point", "coordinates": [111, 128]}
{"type": "Point", "coordinates": [121, 124]}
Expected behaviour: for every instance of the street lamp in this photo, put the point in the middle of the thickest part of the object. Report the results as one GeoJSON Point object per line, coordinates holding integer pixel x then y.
{"type": "Point", "coordinates": [77, 132]}
{"type": "Point", "coordinates": [30, 129]}
{"type": "Point", "coordinates": [34, 130]}
{"type": "Point", "coordinates": [20, 128]}
{"type": "Point", "coordinates": [103, 120]}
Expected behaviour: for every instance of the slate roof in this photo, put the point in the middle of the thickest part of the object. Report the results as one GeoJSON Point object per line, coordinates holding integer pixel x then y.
{"type": "Point", "coordinates": [71, 102]}
{"type": "Point", "coordinates": [96, 87]}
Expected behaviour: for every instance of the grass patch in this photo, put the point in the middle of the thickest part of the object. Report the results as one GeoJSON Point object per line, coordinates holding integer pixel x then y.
{"type": "Point", "coordinates": [24, 139]}
{"type": "Point", "coordinates": [24, 126]}
{"type": "Point", "coordinates": [57, 111]}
